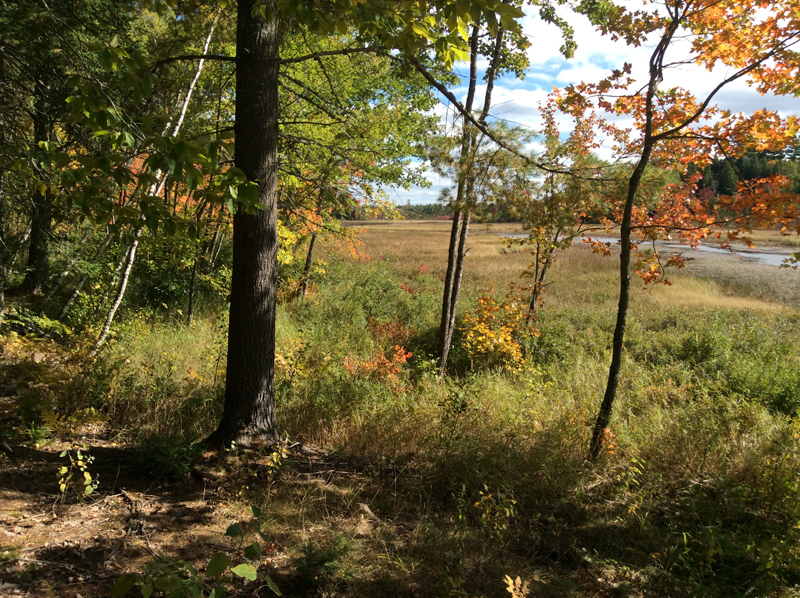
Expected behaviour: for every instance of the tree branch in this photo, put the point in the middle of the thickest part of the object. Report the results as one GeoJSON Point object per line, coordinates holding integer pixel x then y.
{"type": "Point", "coordinates": [475, 122]}
{"type": "Point", "coordinates": [342, 52]}
{"type": "Point", "coordinates": [193, 57]}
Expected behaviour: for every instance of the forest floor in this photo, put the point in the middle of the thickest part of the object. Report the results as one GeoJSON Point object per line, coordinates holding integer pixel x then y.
{"type": "Point", "coordinates": [70, 545]}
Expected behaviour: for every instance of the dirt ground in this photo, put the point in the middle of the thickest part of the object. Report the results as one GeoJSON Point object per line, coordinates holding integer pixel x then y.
{"type": "Point", "coordinates": [69, 544]}
{"type": "Point", "coordinates": [64, 545]}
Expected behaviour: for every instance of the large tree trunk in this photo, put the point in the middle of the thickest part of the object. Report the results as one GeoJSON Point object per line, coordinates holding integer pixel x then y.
{"type": "Point", "coordinates": [42, 217]}
{"type": "Point", "coordinates": [249, 412]}
{"type": "Point", "coordinates": [2, 247]}
{"type": "Point", "coordinates": [3, 252]}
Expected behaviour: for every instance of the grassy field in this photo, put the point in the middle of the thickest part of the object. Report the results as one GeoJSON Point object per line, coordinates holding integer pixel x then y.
{"type": "Point", "coordinates": [423, 488]}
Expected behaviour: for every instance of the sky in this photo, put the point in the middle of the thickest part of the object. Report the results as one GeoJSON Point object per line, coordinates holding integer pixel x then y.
{"type": "Point", "coordinates": [517, 100]}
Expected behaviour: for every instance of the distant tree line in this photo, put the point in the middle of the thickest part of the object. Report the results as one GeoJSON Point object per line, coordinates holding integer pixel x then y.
{"type": "Point", "coordinates": [723, 176]}
{"type": "Point", "coordinates": [443, 211]}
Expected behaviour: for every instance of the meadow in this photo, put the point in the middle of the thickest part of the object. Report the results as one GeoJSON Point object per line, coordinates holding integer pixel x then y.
{"type": "Point", "coordinates": [410, 486]}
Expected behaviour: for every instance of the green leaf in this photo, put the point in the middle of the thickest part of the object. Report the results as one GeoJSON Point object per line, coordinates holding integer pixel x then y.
{"type": "Point", "coordinates": [124, 584]}
{"type": "Point", "coordinates": [252, 551]}
{"type": "Point", "coordinates": [168, 583]}
{"type": "Point", "coordinates": [248, 193]}
{"type": "Point", "coordinates": [246, 571]}
{"type": "Point", "coordinates": [234, 531]}
{"type": "Point", "coordinates": [231, 206]}
{"type": "Point", "coordinates": [88, 490]}
{"type": "Point", "coordinates": [273, 586]}
{"type": "Point", "coordinates": [256, 511]}
{"type": "Point", "coordinates": [217, 565]}
{"type": "Point", "coordinates": [147, 590]}
{"type": "Point", "coordinates": [219, 592]}
{"type": "Point", "coordinates": [170, 227]}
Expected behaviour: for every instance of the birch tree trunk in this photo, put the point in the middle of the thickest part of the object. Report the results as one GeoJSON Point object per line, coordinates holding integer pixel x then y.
{"type": "Point", "coordinates": [158, 188]}
{"type": "Point", "coordinates": [120, 294]}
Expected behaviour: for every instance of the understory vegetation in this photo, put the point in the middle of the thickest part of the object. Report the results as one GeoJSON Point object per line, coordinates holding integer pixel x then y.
{"type": "Point", "coordinates": [444, 488]}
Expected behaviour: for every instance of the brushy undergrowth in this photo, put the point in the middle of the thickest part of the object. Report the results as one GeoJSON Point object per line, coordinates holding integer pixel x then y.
{"type": "Point", "coordinates": [484, 474]}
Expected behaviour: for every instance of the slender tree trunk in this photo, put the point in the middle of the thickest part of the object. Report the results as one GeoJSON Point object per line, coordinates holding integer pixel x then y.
{"type": "Point", "coordinates": [118, 271]}
{"type": "Point", "coordinates": [192, 282]}
{"type": "Point", "coordinates": [541, 276]}
{"type": "Point", "coordinates": [460, 230]}
{"type": "Point", "coordinates": [447, 293]}
{"type": "Point", "coordinates": [215, 251]}
{"type": "Point", "coordinates": [188, 95]}
{"type": "Point", "coordinates": [26, 234]}
{"type": "Point", "coordinates": [656, 73]}
{"type": "Point", "coordinates": [604, 416]}
{"type": "Point", "coordinates": [456, 289]}
{"type": "Point", "coordinates": [445, 333]}
{"type": "Point", "coordinates": [307, 266]}
{"type": "Point", "coordinates": [249, 412]}
{"type": "Point", "coordinates": [120, 293]}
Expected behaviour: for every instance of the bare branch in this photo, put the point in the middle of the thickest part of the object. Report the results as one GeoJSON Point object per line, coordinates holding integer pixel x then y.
{"type": "Point", "coordinates": [342, 52]}
{"type": "Point", "coordinates": [193, 57]}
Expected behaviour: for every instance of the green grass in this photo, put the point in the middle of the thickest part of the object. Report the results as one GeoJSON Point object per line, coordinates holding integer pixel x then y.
{"type": "Point", "coordinates": [696, 494]}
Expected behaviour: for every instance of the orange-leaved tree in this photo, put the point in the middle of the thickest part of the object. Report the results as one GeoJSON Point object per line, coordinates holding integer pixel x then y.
{"type": "Point", "coordinates": [755, 40]}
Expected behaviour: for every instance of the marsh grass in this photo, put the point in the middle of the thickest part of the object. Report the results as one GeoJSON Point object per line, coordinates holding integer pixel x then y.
{"type": "Point", "coordinates": [696, 493]}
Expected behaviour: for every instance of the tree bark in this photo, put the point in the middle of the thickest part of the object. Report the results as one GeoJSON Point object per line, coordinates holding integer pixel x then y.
{"type": "Point", "coordinates": [42, 218]}
{"type": "Point", "coordinates": [249, 412]}
{"type": "Point", "coordinates": [3, 251]}
{"type": "Point", "coordinates": [447, 293]}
